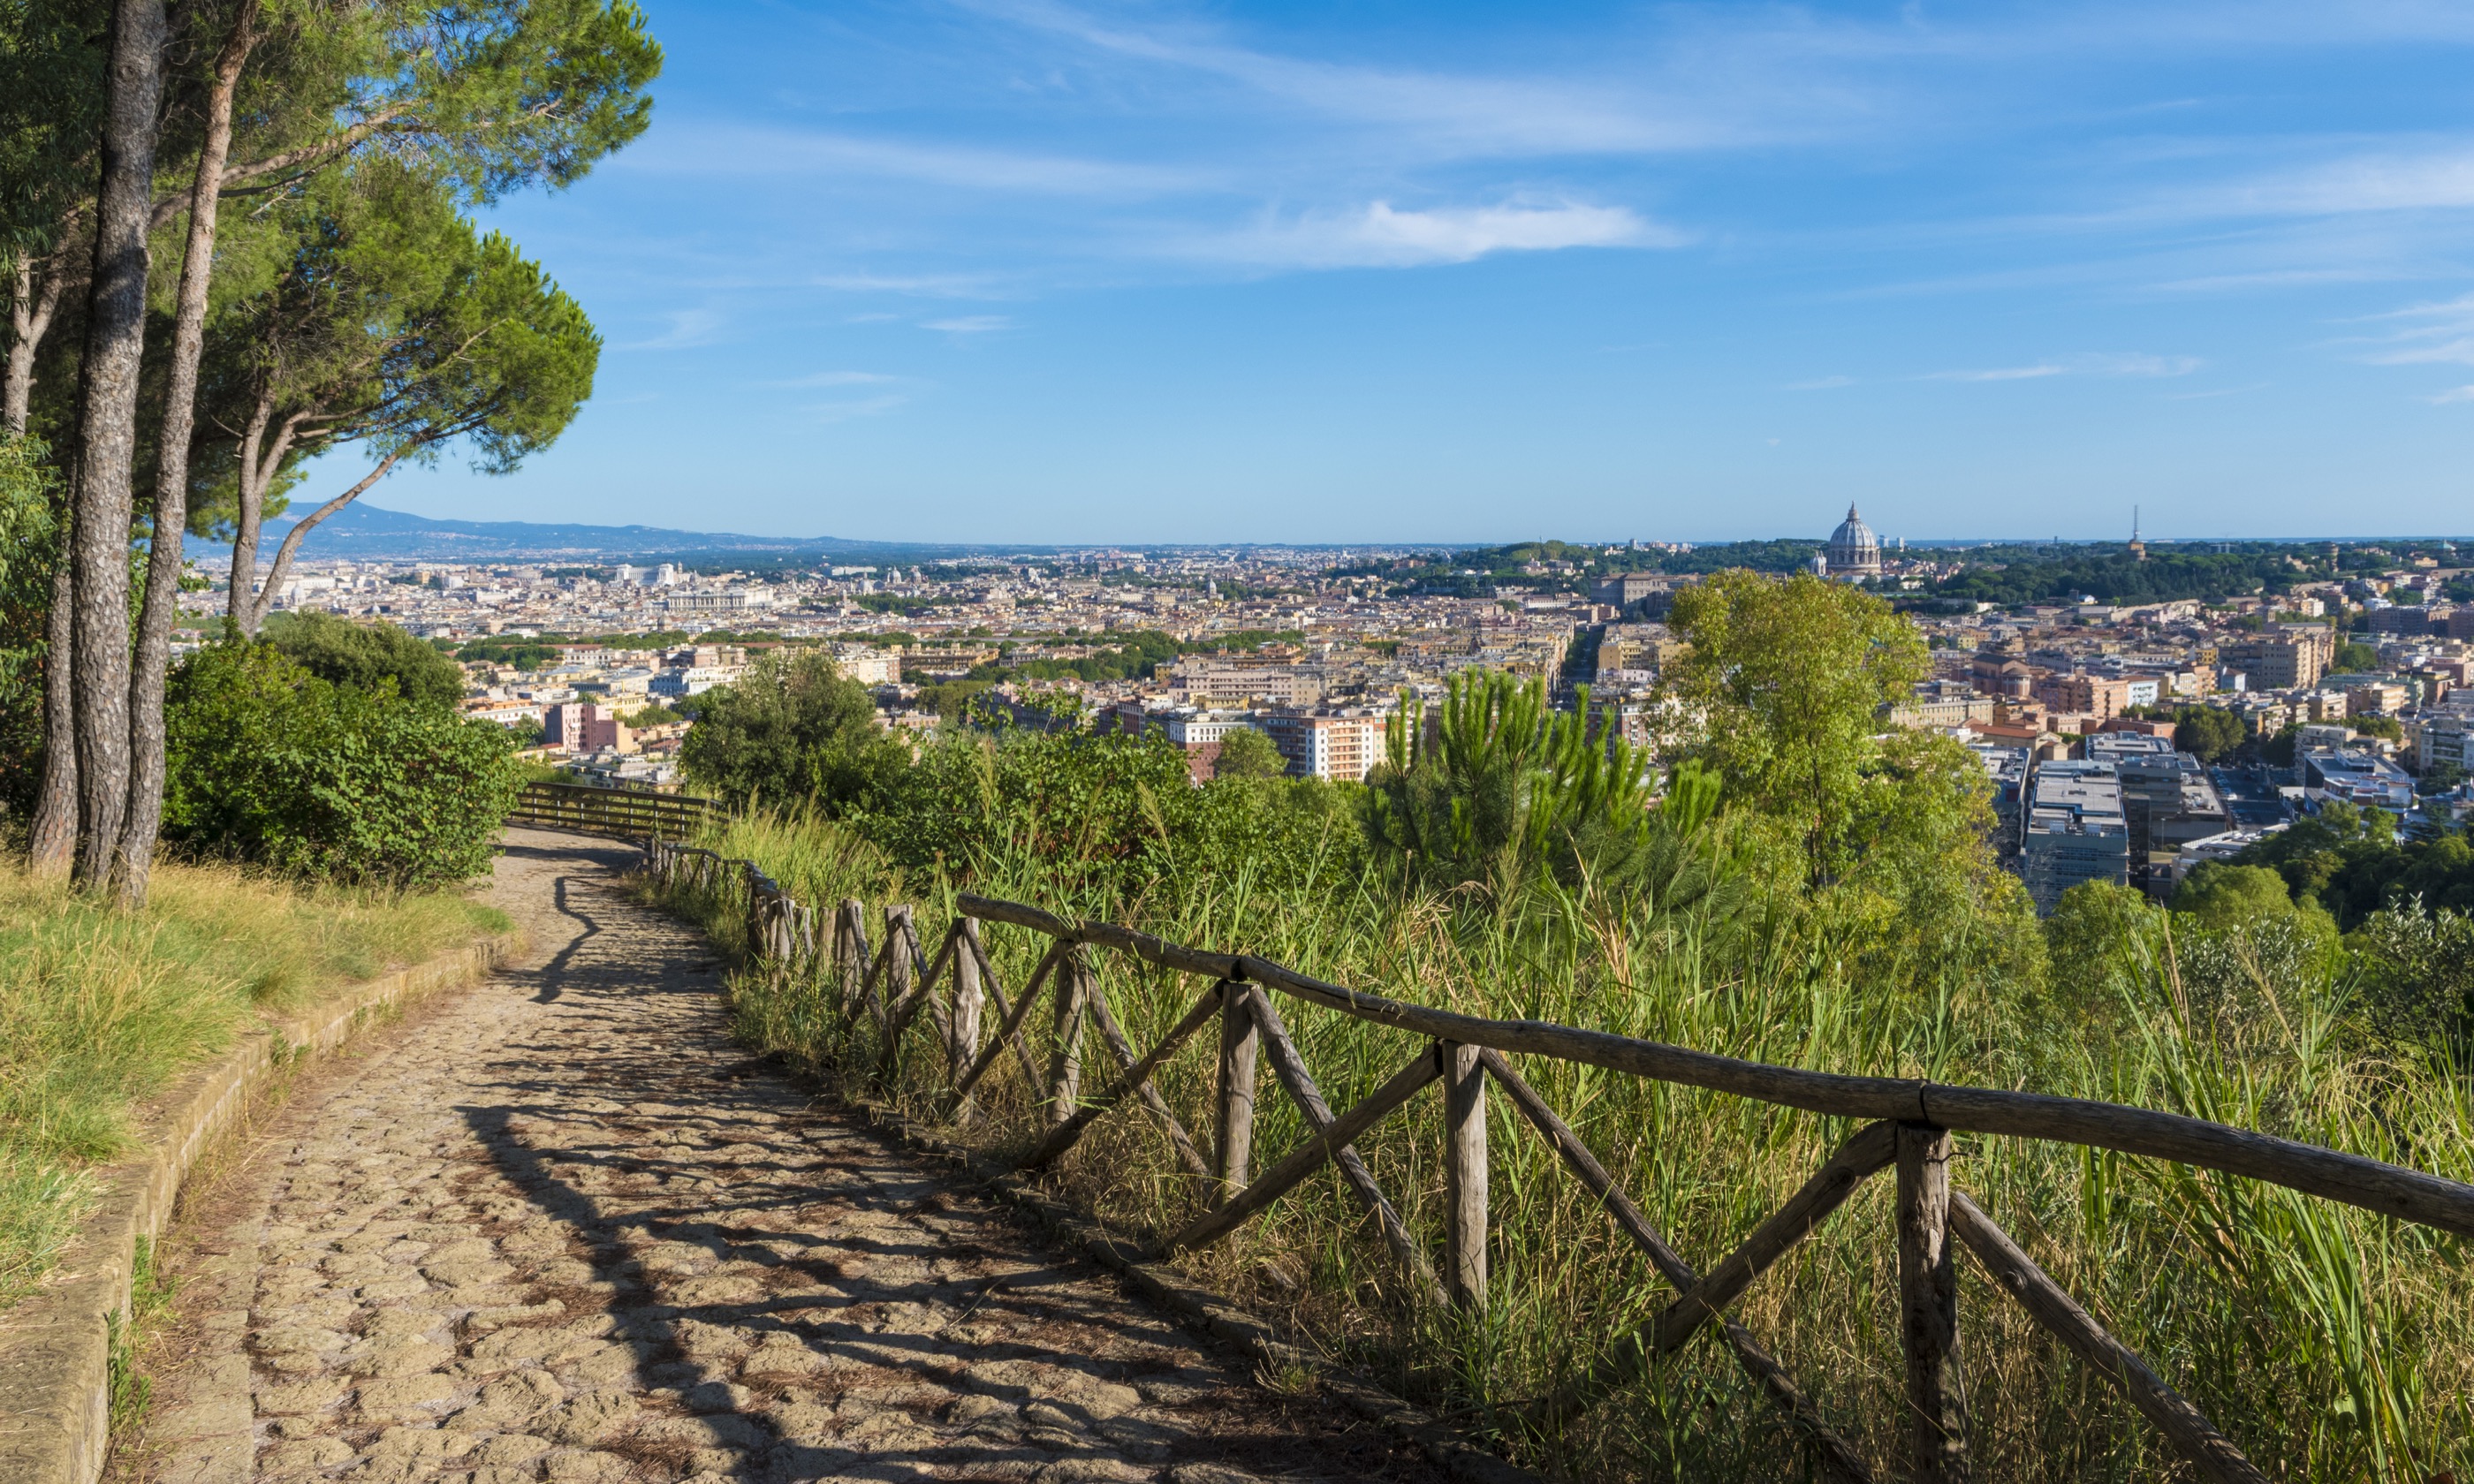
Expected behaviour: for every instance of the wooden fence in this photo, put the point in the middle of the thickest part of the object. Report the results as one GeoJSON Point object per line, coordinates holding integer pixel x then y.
{"type": "Point", "coordinates": [610, 812]}
{"type": "Point", "coordinates": [903, 991]}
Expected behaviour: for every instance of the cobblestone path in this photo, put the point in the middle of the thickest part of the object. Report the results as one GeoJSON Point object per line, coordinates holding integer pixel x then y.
{"type": "Point", "coordinates": [559, 1227]}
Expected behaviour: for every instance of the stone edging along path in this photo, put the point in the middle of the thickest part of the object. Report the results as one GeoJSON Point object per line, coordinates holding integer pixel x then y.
{"type": "Point", "coordinates": [55, 1346]}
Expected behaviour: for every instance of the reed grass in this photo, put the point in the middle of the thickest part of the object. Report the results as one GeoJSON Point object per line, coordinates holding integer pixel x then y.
{"type": "Point", "coordinates": [2327, 1342]}
{"type": "Point", "coordinates": [100, 1008]}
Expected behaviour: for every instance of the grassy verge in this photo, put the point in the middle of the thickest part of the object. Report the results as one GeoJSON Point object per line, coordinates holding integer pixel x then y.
{"type": "Point", "coordinates": [2327, 1342]}
{"type": "Point", "coordinates": [100, 1008]}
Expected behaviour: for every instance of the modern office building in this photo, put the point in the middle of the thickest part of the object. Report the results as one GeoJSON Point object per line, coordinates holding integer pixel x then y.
{"type": "Point", "coordinates": [2351, 777]}
{"type": "Point", "coordinates": [2168, 800]}
{"type": "Point", "coordinates": [2075, 830]}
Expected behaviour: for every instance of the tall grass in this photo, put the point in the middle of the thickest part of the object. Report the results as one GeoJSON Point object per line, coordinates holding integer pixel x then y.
{"type": "Point", "coordinates": [2329, 1343]}
{"type": "Point", "coordinates": [100, 1008]}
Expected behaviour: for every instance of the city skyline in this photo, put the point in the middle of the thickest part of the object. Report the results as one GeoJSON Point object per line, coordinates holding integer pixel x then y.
{"type": "Point", "coordinates": [1036, 271]}
{"type": "Point", "coordinates": [380, 531]}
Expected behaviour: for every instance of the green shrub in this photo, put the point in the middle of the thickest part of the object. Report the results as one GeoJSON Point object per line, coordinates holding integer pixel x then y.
{"type": "Point", "coordinates": [1111, 813]}
{"type": "Point", "coordinates": [273, 765]}
{"type": "Point", "coordinates": [366, 656]}
{"type": "Point", "coordinates": [29, 550]}
{"type": "Point", "coordinates": [2417, 973]}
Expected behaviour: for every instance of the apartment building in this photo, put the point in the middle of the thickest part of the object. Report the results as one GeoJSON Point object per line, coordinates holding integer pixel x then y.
{"type": "Point", "coordinates": [1203, 682]}
{"type": "Point", "coordinates": [2283, 661]}
{"type": "Point", "coordinates": [2376, 698]}
{"type": "Point", "coordinates": [2088, 695]}
{"type": "Point", "coordinates": [582, 727]}
{"type": "Point", "coordinates": [868, 666]}
{"type": "Point", "coordinates": [2439, 737]}
{"type": "Point", "coordinates": [1339, 746]}
{"type": "Point", "coordinates": [1944, 703]}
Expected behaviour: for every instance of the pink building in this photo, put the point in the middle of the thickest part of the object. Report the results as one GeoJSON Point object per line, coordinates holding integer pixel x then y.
{"type": "Point", "coordinates": [581, 727]}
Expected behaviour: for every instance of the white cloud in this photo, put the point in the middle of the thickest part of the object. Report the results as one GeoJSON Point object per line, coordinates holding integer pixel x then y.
{"type": "Point", "coordinates": [923, 286]}
{"type": "Point", "coordinates": [971, 324]}
{"type": "Point", "coordinates": [1437, 113]}
{"type": "Point", "coordinates": [2002, 373]}
{"type": "Point", "coordinates": [689, 328]}
{"type": "Point", "coordinates": [705, 149]}
{"type": "Point", "coordinates": [1382, 235]}
{"type": "Point", "coordinates": [2440, 334]}
{"type": "Point", "coordinates": [2086, 364]}
{"type": "Point", "coordinates": [2452, 394]}
{"type": "Point", "coordinates": [2393, 181]}
{"type": "Point", "coordinates": [835, 379]}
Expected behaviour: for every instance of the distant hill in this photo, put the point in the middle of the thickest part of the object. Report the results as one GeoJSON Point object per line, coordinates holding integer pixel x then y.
{"type": "Point", "coordinates": [368, 531]}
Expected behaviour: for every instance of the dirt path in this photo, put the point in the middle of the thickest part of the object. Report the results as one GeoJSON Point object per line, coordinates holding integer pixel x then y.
{"type": "Point", "coordinates": [560, 1227]}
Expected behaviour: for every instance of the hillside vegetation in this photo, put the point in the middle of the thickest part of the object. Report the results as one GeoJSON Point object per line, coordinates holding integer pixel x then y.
{"type": "Point", "coordinates": [100, 1008]}
{"type": "Point", "coordinates": [1806, 894]}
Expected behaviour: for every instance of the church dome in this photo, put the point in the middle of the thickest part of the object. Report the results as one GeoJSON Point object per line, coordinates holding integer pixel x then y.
{"type": "Point", "coordinates": [1853, 548]}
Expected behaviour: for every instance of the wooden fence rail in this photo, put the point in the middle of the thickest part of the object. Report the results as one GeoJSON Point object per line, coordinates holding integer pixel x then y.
{"type": "Point", "coordinates": [1907, 1129]}
{"type": "Point", "coordinates": [610, 811]}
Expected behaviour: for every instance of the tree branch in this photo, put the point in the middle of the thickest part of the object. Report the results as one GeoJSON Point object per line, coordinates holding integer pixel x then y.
{"type": "Point", "coordinates": [264, 601]}
{"type": "Point", "coordinates": [300, 161]}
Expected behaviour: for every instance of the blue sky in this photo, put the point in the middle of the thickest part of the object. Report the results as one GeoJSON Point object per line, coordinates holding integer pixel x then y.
{"type": "Point", "coordinates": [1044, 271]}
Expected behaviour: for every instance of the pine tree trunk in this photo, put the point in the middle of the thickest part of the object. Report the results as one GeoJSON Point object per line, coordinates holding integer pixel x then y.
{"type": "Point", "coordinates": [240, 608]}
{"type": "Point", "coordinates": [171, 514]}
{"type": "Point", "coordinates": [53, 841]}
{"type": "Point", "coordinates": [108, 434]}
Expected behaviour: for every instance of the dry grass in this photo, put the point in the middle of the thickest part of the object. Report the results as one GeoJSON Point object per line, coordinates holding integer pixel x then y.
{"type": "Point", "coordinates": [100, 1008]}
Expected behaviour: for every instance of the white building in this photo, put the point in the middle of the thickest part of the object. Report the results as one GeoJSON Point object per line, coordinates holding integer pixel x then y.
{"type": "Point", "coordinates": [869, 667]}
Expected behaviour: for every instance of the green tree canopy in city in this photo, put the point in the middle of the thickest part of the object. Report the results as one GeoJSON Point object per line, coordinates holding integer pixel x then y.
{"type": "Point", "coordinates": [366, 656]}
{"type": "Point", "coordinates": [1248, 754]}
{"type": "Point", "coordinates": [2221, 896]}
{"type": "Point", "coordinates": [2210, 733]}
{"type": "Point", "coordinates": [1788, 677]}
{"type": "Point", "coordinates": [793, 731]}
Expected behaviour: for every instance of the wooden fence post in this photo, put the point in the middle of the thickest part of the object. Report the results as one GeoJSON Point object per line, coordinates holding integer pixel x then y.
{"type": "Point", "coordinates": [1929, 1307]}
{"type": "Point", "coordinates": [1241, 1041]}
{"type": "Point", "coordinates": [967, 994]}
{"type": "Point", "coordinates": [854, 948]}
{"type": "Point", "coordinates": [1465, 1176]}
{"type": "Point", "coordinates": [897, 974]}
{"type": "Point", "coordinates": [1065, 1062]}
